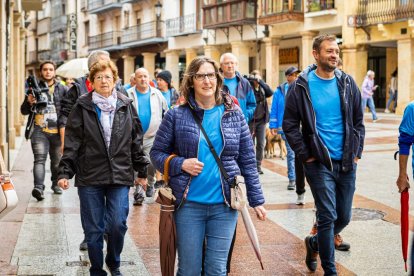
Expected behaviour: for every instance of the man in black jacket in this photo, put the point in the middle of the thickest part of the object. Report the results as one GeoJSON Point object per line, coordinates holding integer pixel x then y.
{"type": "Point", "coordinates": [257, 125]}
{"type": "Point", "coordinates": [327, 103]}
{"type": "Point", "coordinates": [43, 128]}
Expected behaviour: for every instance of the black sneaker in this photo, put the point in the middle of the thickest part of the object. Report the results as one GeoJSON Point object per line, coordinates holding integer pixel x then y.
{"type": "Point", "coordinates": [150, 191]}
{"type": "Point", "coordinates": [138, 200]}
{"type": "Point", "coordinates": [340, 244]}
{"type": "Point", "coordinates": [115, 271]}
{"type": "Point", "coordinates": [311, 255]}
{"type": "Point", "coordinates": [259, 170]}
{"type": "Point", "coordinates": [57, 190]}
{"type": "Point", "coordinates": [38, 194]}
{"type": "Point", "coordinates": [83, 245]}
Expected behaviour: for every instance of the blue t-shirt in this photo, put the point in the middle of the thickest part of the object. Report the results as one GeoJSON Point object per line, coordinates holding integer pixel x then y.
{"type": "Point", "coordinates": [326, 101]}
{"type": "Point", "coordinates": [407, 127]}
{"type": "Point", "coordinates": [144, 108]}
{"type": "Point", "coordinates": [205, 188]}
{"type": "Point", "coordinates": [167, 96]}
{"type": "Point", "coordinates": [232, 85]}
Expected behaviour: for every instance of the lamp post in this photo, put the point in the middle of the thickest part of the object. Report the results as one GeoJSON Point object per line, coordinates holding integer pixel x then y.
{"type": "Point", "coordinates": [158, 8]}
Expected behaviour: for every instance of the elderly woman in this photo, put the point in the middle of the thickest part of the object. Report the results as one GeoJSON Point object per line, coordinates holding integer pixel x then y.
{"type": "Point", "coordinates": [368, 89]}
{"type": "Point", "coordinates": [202, 194]}
{"type": "Point", "coordinates": [103, 147]}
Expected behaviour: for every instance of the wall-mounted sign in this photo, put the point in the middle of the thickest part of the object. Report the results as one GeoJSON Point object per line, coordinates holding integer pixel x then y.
{"type": "Point", "coordinates": [72, 32]}
{"type": "Point", "coordinates": [289, 56]}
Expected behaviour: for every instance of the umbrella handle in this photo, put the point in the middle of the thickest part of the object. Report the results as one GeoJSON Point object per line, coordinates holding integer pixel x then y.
{"type": "Point", "coordinates": [395, 154]}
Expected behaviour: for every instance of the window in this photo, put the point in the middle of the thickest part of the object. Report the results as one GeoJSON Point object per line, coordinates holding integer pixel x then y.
{"type": "Point", "coordinates": [86, 33]}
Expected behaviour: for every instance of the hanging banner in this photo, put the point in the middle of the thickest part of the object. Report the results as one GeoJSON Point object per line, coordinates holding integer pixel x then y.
{"type": "Point", "coordinates": [72, 32]}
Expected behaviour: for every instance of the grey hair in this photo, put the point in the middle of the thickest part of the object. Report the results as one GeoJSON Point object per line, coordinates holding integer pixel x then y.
{"type": "Point", "coordinates": [228, 55]}
{"type": "Point", "coordinates": [94, 57]}
{"type": "Point", "coordinates": [370, 73]}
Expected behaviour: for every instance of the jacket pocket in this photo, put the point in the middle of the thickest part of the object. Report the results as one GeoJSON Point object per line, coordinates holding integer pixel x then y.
{"type": "Point", "coordinates": [319, 151]}
{"type": "Point", "coordinates": [355, 141]}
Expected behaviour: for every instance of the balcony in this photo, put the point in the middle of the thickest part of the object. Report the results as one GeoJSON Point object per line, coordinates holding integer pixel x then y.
{"type": "Point", "coordinates": [98, 6]}
{"type": "Point", "coordinates": [43, 26]}
{"type": "Point", "coordinates": [107, 41]}
{"type": "Point", "coordinates": [375, 12]}
{"type": "Point", "coordinates": [32, 58]}
{"type": "Point", "coordinates": [228, 13]}
{"type": "Point", "coordinates": [181, 25]}
{"type": "Point", "coordinates": [146, 33]}
{"type": "Point", "coordinates": [43, 55]}
{"type": "Point", "coordinates": [59, 23]}
{"type": "Point", "coordinates": [274, 12]}
{"type": "Point", "coordinates": [320, 7]}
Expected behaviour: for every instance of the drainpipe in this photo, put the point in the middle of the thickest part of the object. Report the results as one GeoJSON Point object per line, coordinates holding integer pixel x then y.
{"type": "Point", "coordinates": [7, 8]}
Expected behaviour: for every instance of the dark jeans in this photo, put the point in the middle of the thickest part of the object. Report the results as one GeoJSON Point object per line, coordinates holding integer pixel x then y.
{"type": "Point", "coordinates": [300, 176]}
{"type": "Point", "coordinates": [42, 144]}
{"type": "Point", "coordinates": [258, 130]}
{"type": "Point", "coordinates": [333, 192]}
{"type": "Point", "coordinates": [95, 202]}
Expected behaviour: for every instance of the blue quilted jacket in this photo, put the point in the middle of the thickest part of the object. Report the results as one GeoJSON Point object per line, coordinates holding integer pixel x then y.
{"type": "Point", "coordinates": [180, 134]}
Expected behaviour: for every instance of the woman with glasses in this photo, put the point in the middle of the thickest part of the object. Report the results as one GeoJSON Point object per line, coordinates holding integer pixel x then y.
{"type": "Point", "coordinates": [103, 147]}
{"type": "Point", "coordinates": [203, 211]}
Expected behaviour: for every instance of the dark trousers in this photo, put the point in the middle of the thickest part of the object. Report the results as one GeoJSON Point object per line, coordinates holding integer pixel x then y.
{"type": "Point", "coordinates": [300, 176]}
{"type": "Point", "coordinates": [258, 131]}
{"type": "Point", "coordinates": [333, 192]}
{"type": "Point", "coordinates": [43, 144]}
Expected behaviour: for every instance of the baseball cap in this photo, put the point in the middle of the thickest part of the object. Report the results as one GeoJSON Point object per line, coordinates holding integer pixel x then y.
{"type": "Point", "coordinates": [291, 70]}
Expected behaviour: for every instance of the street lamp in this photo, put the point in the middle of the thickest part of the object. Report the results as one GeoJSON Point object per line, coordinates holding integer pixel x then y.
{"type": "Point", "coordinates": [158, 8]}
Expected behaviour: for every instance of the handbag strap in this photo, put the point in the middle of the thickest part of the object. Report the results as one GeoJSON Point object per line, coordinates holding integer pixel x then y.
{"type": "Point", "coordinates": [213, 151]}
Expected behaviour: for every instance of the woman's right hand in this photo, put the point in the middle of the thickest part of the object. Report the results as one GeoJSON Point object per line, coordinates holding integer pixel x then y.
{"type": "Point", "coordinates": [403, 182]}
{"type": "Point", "coordinates": [192, 166]}
{"type": "Point", "coordinates": [63, 183]}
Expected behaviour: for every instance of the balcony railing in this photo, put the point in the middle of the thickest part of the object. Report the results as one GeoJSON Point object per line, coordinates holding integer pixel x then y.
{"type": "Point", "coordinates": [105, 40]}
{"type": "Point", "coordinates": [97, 6]}
{"type": "Point", "coordinates": [279, 11]}
{"type": "Point", "coordinates": [181, 25]}
{"type": "Point", "coordinates": [228, 13]}
{"type": "Point", "coordinates": [43, 26]}
{"type": "Point", "coordinates": [43, 55]}
{"type": "Point", "coordinates": [320, 5]}
{"type": "Point", "coordinates": [142, 32]}
{"type": "Point", "coordinates": [372, 12]}
{"type": "Point", "coordinates": [59, 23]}
{"type": "Point", "coordinates": [32, 58]}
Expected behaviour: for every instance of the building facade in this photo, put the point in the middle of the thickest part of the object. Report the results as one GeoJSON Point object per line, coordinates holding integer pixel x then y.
{"type": "Point", "coordinates": [12, 68]}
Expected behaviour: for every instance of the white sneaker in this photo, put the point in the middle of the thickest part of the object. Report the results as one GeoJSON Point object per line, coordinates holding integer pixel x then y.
{"type": "Point", "coordinates": [301, 199]}
{"type": "Point", "coordinates": [387, 110]}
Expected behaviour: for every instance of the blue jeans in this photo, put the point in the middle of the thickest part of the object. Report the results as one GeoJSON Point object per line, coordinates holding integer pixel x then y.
{"type": "Point", "coordinates": [104, 209]}
{"type": "Point", "coordinates": [333, 193]}
{"type": "Point", "coordinates": [370, 102]}
{"type": "Point", "coordinates": [42, 144]}
{"type": "Point", "coordinates": [393, 97]}
{"type": "Point", "coordinates": [290, 160]}
{"type": "Point", "coordinates": [198, 222]}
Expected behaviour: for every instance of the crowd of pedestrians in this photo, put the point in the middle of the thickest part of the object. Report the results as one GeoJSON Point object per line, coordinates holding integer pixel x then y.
{"type": "Point", "coordinates": [111, 136]}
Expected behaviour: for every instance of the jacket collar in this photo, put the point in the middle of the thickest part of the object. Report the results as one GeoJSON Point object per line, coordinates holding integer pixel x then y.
{"type": "Point", "coordinates": [86, 101]}
{"type": "Point", "coordinates": [339, 74]}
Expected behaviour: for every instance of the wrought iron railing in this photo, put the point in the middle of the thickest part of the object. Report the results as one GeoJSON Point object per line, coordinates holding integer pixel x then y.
{"type": "Point", "coordinates": [281, 11]}
{"type": "Point", "coordinates": [372, 12]}
{"type": "Point", "coordinates": [43, 55]}
{"type": "Point", "coordinates": [105, 40]}
{"type": "Point", "coordinates": [97, 4]}
{"type": "Point", "coordinates": [142, 31]}
{"type": "Point", "coordinates": [181, 25]}
{"type": "Point", "coordinates": [59, 23]}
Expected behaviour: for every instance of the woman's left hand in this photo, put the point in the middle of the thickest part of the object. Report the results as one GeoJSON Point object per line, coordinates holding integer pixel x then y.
{"type": "Point", "coordinates": [260, 212]}
{"type": "Point", "coordinates": [141, 181]}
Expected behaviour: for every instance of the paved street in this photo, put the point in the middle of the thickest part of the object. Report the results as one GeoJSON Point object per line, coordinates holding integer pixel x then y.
{"type": "Point", "coordinates": [42, 238]}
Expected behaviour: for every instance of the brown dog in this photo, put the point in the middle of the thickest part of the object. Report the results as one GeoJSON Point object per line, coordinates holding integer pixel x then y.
{"type": "Point", "coordinates": [271, 141]}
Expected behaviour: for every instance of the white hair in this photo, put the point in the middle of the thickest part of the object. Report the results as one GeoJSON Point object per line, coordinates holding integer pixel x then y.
{"type": "Point", "coordinates": [231, 55]}
{"type": "Point", "coordinates": [370, 73]}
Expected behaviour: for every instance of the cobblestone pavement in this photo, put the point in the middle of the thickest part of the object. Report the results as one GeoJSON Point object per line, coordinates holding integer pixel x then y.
{"type": "Point", "coordinates": [42, 238]}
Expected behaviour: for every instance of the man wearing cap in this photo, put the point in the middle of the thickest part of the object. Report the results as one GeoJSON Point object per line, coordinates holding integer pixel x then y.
{"type": "Point", "coordinates": [276, 119]}
{"type": "Point", "coordinates": [167, 90]}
